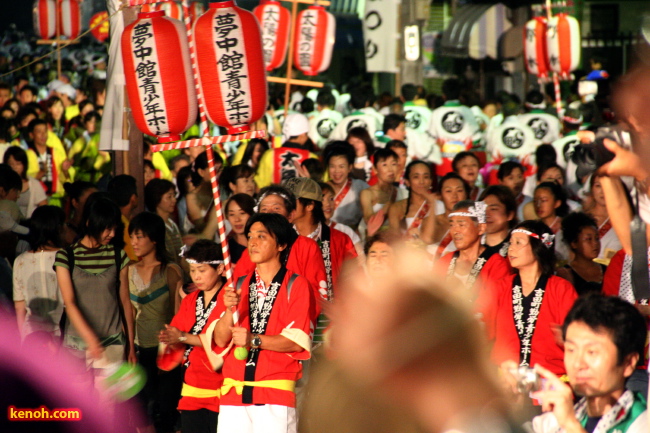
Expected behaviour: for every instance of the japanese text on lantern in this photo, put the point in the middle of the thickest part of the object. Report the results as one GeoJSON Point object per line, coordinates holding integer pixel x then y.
{"type": "Point", "coordinates": [288, 164]}
{"type": "Point", "coordinates": [269, 31]}
{"type": "Point", "coordinates": [147, 76]}
{"type": "Point", "coordinates": [230, 64]}
{"type": "Point", "coordinates": [308, 31]}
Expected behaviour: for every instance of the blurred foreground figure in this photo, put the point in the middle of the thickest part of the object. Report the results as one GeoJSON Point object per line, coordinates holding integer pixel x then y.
{"type": "Point", "coordinates": [408, 357]}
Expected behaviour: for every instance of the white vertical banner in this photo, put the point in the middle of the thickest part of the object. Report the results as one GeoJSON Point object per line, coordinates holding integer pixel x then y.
{"type": "Point", "coordinates": [381, 35]}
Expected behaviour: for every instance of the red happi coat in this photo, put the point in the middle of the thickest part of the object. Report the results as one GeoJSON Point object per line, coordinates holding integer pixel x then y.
{"type": "Point", "coordinates": [305, 259]}
{"type": "Point", "coordinates": [290, 310]}
{"type": "Point", "coordinates": [499, 321]}
{"type": "Point", "coordinates": [342, 249]}
{"type": "Point", "coordinates": [199, 374]}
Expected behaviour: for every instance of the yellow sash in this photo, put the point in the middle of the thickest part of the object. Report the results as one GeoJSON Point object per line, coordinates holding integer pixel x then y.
{"type": "Point", "coordinates": [284, 385]}
{"type": "Point", "coordinates": [192, 391]}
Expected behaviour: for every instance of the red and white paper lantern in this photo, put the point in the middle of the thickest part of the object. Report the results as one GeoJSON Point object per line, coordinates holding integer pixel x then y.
{"type": "Point", "coordinates": [314, 41]}
{"type": "Point", "coordinates": [535, 55]}
{"type": "Point", "coordinates": [563, 44]}
{"type": "Point", "coordinates": [231, 66]}
{"type": "Point", "coordinates": [45, 13]}
{"type": "Point", "coordinates": [159, 78]}
{"type": "Point", "coordinates": [172, 9]}
{"type": "Point", "coordinates": [70, 18]}
{"type": "Point", "coordinates": [275, 21]}
{"type": "Point", "coordinates": [196, 10]}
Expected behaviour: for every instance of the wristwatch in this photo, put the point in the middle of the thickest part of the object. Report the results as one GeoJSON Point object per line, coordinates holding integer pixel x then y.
{"type": "Point", "coordinates": [182, 338]}
{"type": "Point", "coordinates": [256, 341]}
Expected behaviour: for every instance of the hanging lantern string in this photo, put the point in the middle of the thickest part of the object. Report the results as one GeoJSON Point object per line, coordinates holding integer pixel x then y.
{"type": "Point", "coordinates": [64, 44]}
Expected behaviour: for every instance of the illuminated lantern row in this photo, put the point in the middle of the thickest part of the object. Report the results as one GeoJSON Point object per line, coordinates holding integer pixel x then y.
{"type": "Point", "coordinates": [172, 9]}
{"type": "Point", "coordinates": [231, 66]}
{"type": "Point", "coordinates": [314, 40]}
{"type": "Point", "coordinates": [70, 18]}
{"type": "Point", "coordinates": [275, 21]}
{"type": "Point", "coordinates": [45, 18]}
{"type": "Point", "coordinates": [158, 74]}
{"type": "Point", "coordinates": [535, 55]}
{"type": "Point", "coordinates": [563, 44]}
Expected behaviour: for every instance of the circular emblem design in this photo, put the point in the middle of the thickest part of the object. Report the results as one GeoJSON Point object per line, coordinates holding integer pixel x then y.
{"type": "Point", "coordinates": [513, 138]}
{"type": "Point", "coordinates": [453, 122]}
{"type": "Point", "coordinates": [357, 123]}
{"type": "Point", "coordinates": [325, 127]}
{"type": "Point", "coordinates": [413, 119]}
{"type": "Point", "coordinates": [539, 127]}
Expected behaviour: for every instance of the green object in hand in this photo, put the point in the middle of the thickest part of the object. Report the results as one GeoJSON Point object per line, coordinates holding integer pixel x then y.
{"type": "Point", "coordinates": [241, 353]}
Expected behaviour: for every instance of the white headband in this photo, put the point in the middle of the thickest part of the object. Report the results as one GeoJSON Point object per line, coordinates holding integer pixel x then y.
{"type": "Point", "coordinates": [477, 211]}
{"type": "Point", "coordinates": [266, 194]}
{"type": "Point", "coordinates": [539, 106]}
{"type": "Point", "coordinates": [184, 249]}
{"type": "Point", "coordinates": [546, 238]}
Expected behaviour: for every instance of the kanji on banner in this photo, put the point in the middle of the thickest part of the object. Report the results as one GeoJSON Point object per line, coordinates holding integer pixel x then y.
{"type": "Point", "coordinates": [70, 18]}
{"type": "Point", "coordinates": [380, 34]}
{"type": "Point", "coordinates": [563, 44]}
{"type": "Point", "coordinates": [275, 21]}
{"type": "Point", "coordinates": [232, 76]}
{"type": "Point", "coordinates": [314, 40]}
{"type": "Point", "coordinates": [45, 15]}
{"type": "Point", "coordinates": [158, 74]}
{"type": "Point", "coordinates": [535, 55]}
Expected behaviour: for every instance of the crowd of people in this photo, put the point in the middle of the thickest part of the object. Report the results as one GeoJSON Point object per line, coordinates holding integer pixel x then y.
{"type": "Point", "coordinates": [512, 239]}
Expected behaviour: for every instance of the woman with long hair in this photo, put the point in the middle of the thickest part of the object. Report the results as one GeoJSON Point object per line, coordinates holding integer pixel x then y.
{"type": "Point", "coordinates": [160, 198]}
{"type": "Point", "coordinates": [37, 299]}
{"type": "Point", "coordinates": [200, 200]}
{"type": "Point", "coordinates": [249, 153]}
{"type": "Point", "coordinates": [364, 148]}
{"type": "Point", "coordinates": [522, 311]}
{"type": "Point", "coordinates": [76, 193]}
{"type": "Point", "coordinates": [33, 194]}
{"type": "Point", "coordinates": [452, 189]}
{"type": "Point", "coordinates": [598, 211]}
{"type": "Point", "coordinates": [411, 215]}
{"type": "Point", "coordinates": [55, 116]}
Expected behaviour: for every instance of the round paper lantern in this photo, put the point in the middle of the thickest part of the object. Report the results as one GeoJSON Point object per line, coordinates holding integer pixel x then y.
{"type": "Point", "coordinates": [172, 9]}
{"type": "Point", "coordinates": [535, 55]}
{"type": "Point", "coordinates": [70, 18]}
{"type": "Point", "coordinates": [563, 44]}
{"type": "Point", "coordinates": [45, 18]}
{"type": "Point", "coordinates": [231, 66]}
{"type": "Point", "coordinates": [315, 41]}
{"type": "Point", "coordinates": [275, 21]}
{"type": "Point", "coordinates": [196, 10]}
{"type": "Point", "coordinates": [101, 31]}
{"type": "Point", "coordinates": [158, 74]}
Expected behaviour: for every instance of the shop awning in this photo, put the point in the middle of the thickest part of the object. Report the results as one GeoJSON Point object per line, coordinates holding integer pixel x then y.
{"type": "Point", "coordinates": [475, 30]}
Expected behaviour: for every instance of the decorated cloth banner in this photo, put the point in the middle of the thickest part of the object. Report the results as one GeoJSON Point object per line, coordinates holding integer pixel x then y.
{"type": "Point", "coordinates": [232, 76]}
{"type": "Point", "coordinates": [70, 18]}
{"type": "Point", "coordinates": [275, 21]}
{"type": "Point", "coordinates": [314, 40]}
{"type": "Point", "coordinates": [380, 34]}
{"type": "Point", "coordinates": [535, 55]}
{"type": "Point", "coordinates": [102, 31]}
{"type": "Point", "coordinates": [563, 44]}
{"type": "Point", "coordinates": [45, 16]}
{"type": "Point", "coordinates": [158, 74]}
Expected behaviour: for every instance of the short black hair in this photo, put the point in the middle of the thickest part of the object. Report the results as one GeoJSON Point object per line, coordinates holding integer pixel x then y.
{"type": "Point", "coordinates": [75, 190]}
{"type": "Point", "coordinates": [205, 250]}
{"type": "Point", "coordinates": [392, 121]}
{"type": "Point", "coordinates": [121, 188]}
{"type": "Point", "coordinates": [506, 168]}
{"type": "Point", "coordinates": [317, 213]}
{"type": "Point", "coordinates": [534, 97]}
{"type": "Point", "coordinates": [183, 173]}
{"type": "Point", "coordinates": [101, 213]}
{"type": "Point", "coordinates": [232, 173]}
{"type": "Point", "coordinates": [244, 201]}
{"type": "Point", "coordinates": [543, 168]}
{"type": "Point", "coordinates": [451, 89]}
{"type": "Point", "coordinates": [462, 155]}
{"type": "Point", "coordinates": [287, 196]}
{"type": "Point", "coordinates": [19, 155]}
{"type": "Point", "coordinates": [358, 98]}
{"type": "Point", "coordinates": [384, 237]}
{"type": "Point", "coordinates": [339, 148]}
{"type": "Point", "coordinates": [278, 227]}
{"type": "Point", "coordinates": [506, 197]}
{"type": "Point", "coordinates": [619, 318]}
{"type": "Point", "coordinates": [573, 224]}
{"type": "Point", "coordinates": [454, 175]}
{"type": "Point", "coordinates": [45, 227]}
{"type": "Point", "coordinates": [545, 155]}
{"type": "Point", "coordinates": [176, 159]}
{"type": "Point", "coordinates": [34, 123]}
{"type": "Point", "coordinates": [152, 226]}
{"type": "Point", "coordinates": [511, 108]}
{"type": "Point", "coordinates": [29, 87]}
{"type": "Point", "coordinates": [154, 192]}
{"type": "Point", "coordinates": [409, 91]}
{"type": "Point", "coordinates": [544, 255]}
{"type": "Point", "coordinates": [396, 144]}
{"type": "Point", "coordinates": [383, 154]}
{"type": "Point", "coordinates": [9, 179]}
{"type": "Point", "coordinates": [325, 98]}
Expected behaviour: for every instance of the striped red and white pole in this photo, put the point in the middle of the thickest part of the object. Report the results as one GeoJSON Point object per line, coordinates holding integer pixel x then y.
{"type": "Point", "coordinates": [207, 141]}
{"type": "Point", "coordinates": [70, 19]}
{"type": "Point", "coordinates": [45, 18]}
